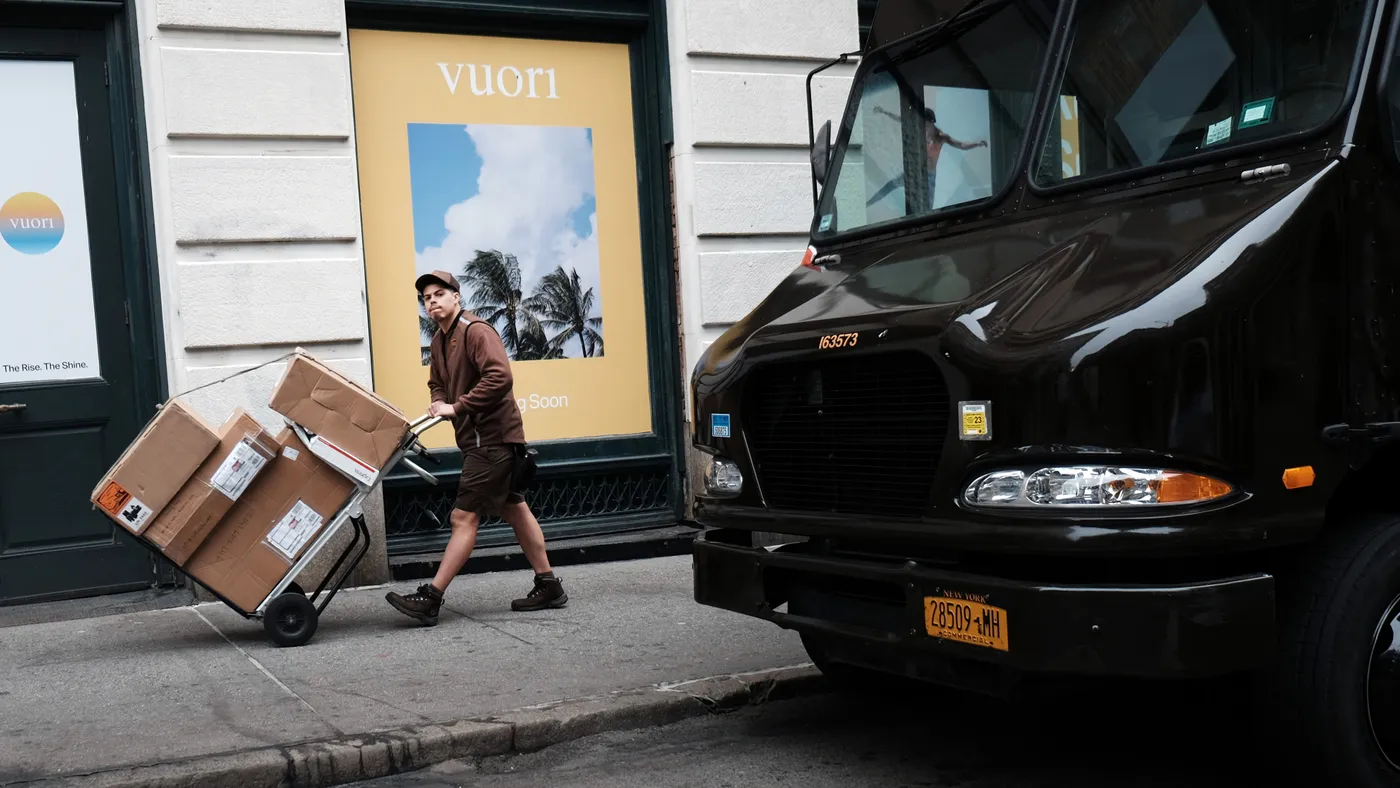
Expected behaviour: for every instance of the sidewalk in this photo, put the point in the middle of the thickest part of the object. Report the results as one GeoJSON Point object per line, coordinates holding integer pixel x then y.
{"type": "Point", "coordinates": [95, 695]}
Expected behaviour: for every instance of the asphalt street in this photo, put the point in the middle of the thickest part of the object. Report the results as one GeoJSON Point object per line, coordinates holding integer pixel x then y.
{"type": "Point", "coordinates": [1126, 737]}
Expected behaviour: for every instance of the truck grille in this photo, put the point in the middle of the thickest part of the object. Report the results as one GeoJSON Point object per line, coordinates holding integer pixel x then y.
{"type": "Point", "coordinates": [856, 435]}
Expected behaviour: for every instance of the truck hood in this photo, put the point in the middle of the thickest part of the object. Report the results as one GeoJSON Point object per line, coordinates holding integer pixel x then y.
{"type": "Point", "coordinates": [1066, 285]}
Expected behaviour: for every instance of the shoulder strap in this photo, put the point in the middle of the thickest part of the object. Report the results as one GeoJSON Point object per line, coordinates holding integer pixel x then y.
{"type": "Point", "coordinates": [471, 323]}
{"type": "Point", "coordinates": [468, 327]}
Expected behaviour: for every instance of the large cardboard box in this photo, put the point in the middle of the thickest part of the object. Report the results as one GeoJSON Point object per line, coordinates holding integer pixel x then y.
{"type": "Point", "coordinates": [276, 519]}
{"type": "Point", "coordinates": [355, 422]}
{"type": "Point", "coordinates": [155, 466]}
{"type": "Point", "coordinates": [245, 449]}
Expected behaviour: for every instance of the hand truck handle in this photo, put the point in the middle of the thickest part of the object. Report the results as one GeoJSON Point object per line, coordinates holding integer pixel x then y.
{"type": "Point", "coordinates": [427, 477]}
{"type": "Point", "coordinates": [416, 428]}
{"type": "Point", "coordinates": [424, 423]}
{"type": "Point", "coordinates": [423, 452]}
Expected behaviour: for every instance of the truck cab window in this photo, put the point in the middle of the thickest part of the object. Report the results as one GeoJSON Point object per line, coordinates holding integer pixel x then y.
{"type": "Point", "coordinates": [941, 125]}
{"type": "Point", "coordinates": [1149, 82]}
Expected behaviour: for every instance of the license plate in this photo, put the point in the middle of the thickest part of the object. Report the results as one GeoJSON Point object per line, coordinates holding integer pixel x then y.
{"type": "Point", "coordinates": [966, 621]}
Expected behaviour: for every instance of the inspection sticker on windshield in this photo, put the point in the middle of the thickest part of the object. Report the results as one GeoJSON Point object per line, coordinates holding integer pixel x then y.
{"type": "Point", "coordinates": [825, 223]}
{"type": "Point", "coordinates": [1257, 113]}
{"type": "Point", "coordinates": [976, 420]}
{"type": "Point", "coordinates": [719, 425]}
{"type": "Point", "coordinates": [1218, 132]}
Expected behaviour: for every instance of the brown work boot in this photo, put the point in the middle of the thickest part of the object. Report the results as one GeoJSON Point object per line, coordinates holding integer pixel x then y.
{"type": "Point", "coordinates": [547, 593]}
{"type": "Point", "coordinates": [422, 605]}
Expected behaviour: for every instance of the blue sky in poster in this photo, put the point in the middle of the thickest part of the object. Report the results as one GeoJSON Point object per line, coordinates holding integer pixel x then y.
{"type": "Point", "coordinates": [447, 173]}
{"type": "Point", "coordinates": [443, 168]}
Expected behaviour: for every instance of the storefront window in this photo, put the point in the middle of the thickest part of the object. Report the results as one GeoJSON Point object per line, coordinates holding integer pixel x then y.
{"type": "Point", "coordinates": [511, 164]}
{"type": "Point", "coordinates": [47, 316]}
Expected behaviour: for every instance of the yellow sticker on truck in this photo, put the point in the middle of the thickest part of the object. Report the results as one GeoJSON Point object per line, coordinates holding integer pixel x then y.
{"type": "Point", "coordinates": [975, 420]}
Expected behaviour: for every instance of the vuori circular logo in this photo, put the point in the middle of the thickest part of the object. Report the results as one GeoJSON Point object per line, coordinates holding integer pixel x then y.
{"type": "Point", "coordinates": [31, 223]}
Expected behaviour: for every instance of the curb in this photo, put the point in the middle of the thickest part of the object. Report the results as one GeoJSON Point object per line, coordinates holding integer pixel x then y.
{"type": "Point", "coordinates": [370, 756]}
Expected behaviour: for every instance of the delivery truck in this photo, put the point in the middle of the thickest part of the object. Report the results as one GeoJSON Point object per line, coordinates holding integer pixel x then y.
{"type": "Point", "coordinates": [1091, 368]}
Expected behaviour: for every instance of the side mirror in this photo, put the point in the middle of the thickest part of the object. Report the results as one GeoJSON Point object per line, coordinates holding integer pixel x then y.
{"type": "Point", "coordinates": [821, 153]}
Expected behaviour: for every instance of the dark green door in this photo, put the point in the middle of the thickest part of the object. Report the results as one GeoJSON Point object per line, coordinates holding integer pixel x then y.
{"type": "Point", "coordinates": [67, 402]}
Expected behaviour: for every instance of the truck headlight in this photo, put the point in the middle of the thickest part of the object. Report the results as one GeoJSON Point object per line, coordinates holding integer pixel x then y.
{"type": "Point", "coordinates": [723, 478]}
{"type": "Point", "coordinates": [1080, 486]}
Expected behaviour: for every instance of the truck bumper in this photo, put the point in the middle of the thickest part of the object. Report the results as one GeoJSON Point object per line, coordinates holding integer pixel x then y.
{"type": "Point", "coordinates": [877, 610]}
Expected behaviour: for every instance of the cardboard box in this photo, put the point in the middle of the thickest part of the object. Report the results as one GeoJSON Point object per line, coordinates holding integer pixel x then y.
{"type": "Point", "coordinates": [244, 450]}
{"type": "Point", "coordinates": [354, 421]}
{"type": "Point", "coordinates": [285, 508]}
{"type": "Point", "coordinates": [155, 466]}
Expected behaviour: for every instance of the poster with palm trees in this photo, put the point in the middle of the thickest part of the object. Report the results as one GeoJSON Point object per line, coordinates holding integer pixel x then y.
{"type": "Point", "coordinates": [512, 211]}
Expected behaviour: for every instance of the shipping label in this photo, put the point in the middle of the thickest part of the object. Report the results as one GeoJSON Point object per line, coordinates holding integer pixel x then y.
{"type": "Point", "coordinates": [294, 530]}
{"type": "Point", "coordinates": [126, 508]}
{"type": "Point", "coordinates": [238, 469]}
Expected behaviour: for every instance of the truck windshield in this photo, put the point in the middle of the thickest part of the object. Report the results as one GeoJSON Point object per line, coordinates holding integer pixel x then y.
{"type": "Point", "coordinates": [941, 126]}
{"type": "Point", "coordinates": [1149, 82]}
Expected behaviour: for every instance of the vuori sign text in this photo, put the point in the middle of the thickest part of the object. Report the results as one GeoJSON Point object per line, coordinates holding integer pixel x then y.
{"type": "Point", "coordinates": [509, 81]}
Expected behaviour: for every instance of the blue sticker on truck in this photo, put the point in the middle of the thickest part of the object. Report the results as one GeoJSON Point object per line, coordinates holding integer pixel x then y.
{"type": "Point", "coordinates": [719, 425]}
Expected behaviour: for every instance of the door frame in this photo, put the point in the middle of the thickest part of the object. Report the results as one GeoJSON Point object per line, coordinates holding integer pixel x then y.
{"type": "Point", "coordinates": [116, 19]}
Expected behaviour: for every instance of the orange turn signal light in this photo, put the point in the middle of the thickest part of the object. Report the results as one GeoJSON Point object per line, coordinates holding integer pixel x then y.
{"type": "Point", "coordinates": [1297, 478]}
{"type": "Point", "coordinates": [809, 256]}
{"type": "Point", "coordinates": [1177, 487]}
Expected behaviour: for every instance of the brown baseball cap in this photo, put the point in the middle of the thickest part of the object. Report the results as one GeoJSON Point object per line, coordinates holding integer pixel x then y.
{"type": "Point", "coordinates": [439, 278]}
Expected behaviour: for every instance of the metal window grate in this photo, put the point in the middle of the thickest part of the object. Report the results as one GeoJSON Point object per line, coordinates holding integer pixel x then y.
{"type": "Point", "coordinates": [559, 498]}
{"type": "Point", "coordinates": [855, 435]}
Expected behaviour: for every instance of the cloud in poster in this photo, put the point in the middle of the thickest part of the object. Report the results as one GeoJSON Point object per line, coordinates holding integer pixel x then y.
{"type": "Point", "coordinates": [533, 197]}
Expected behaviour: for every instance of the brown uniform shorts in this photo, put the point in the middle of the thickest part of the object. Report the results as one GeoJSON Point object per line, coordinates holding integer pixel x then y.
{"type": "Point", "coordinates": [485, 486]}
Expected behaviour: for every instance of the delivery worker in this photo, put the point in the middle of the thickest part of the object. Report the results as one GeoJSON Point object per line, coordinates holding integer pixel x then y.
{"type": "Point", "coordinates": [470, 383]}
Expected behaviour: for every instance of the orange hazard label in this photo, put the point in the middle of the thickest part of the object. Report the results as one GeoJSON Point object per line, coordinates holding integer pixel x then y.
{"type": "Point", "coordinates": [113, 498]}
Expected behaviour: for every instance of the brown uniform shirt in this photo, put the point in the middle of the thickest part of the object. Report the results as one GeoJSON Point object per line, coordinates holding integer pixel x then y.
{"type": "Point", "coordinates": [469, 369]}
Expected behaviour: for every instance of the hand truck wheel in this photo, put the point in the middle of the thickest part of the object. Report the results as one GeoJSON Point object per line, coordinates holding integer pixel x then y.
{"type": "Point", "coordinates": [293, 588]}
{"type": "Point", "coordinates": [290, 620]}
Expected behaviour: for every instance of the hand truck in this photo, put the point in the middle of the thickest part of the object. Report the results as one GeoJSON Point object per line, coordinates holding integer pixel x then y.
{"type": "Point", "coordinates": [288, 614]}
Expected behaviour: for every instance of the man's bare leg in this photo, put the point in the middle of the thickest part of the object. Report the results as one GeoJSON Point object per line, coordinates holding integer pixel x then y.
{"type": "Point", "coordinates": [548, 591]}
{"type": "Point", "coordinates": [424, 603]}
{"type": "Point", "coordinates": [459, 547]}
{"type": "Point", "coordinates": [528, 533]}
